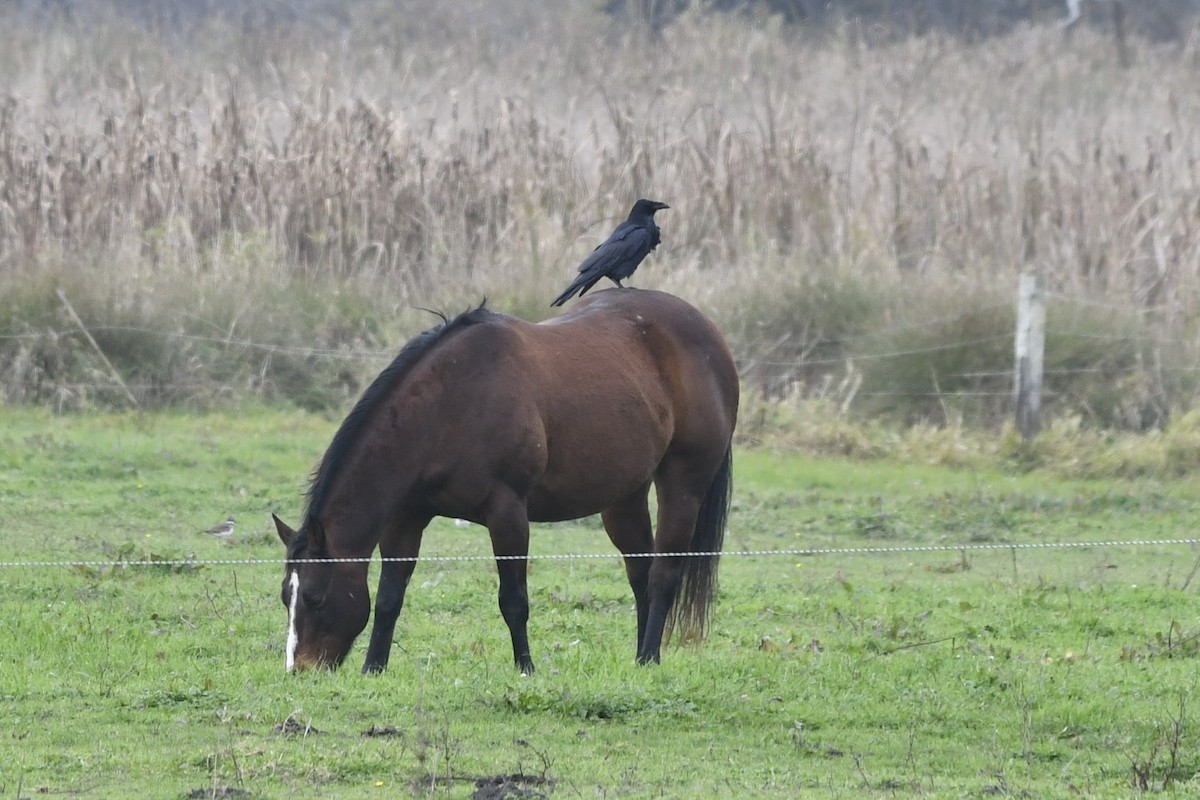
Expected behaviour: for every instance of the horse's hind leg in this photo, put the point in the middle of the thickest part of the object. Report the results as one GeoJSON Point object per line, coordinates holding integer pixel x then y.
{"type": "Point", "coordinates": [628, 526]}
{"type": "Point", "coordinates": [508, 524]}
{"type": "Point", "coordinates": [678, 508]}
{"type": "Point", "coordinates": [403, 542]}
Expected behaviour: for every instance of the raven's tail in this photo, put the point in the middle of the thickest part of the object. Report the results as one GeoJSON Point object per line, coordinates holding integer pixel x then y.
{"type": "Point", "coordinates": [568, 293]}
{"type": "Point", "coordinates": [581, 284]}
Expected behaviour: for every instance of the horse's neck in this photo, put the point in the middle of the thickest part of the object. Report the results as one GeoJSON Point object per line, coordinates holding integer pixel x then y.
{"type": "Point", "coordinates": [369, 494]}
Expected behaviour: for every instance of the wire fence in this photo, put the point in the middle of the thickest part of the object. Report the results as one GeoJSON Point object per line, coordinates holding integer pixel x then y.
{"type": "Point", "coordinates": [796, 552]}
{"type": "Point", "coordinates": [987, 377]}
{"type": "Point", "coordinates": [783, 365]}
{"type": "Point", "coordinates": [226, 341]}
{"type": "Point", "coordinates": [776, 364]}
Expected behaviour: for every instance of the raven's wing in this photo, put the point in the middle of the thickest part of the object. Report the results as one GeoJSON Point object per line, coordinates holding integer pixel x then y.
{"type": "Point", "coordinates": [619, 255]}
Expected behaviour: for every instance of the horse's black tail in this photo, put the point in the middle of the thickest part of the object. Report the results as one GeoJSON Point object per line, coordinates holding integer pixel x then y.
{"type": "Point", "coordinates": [692, 604]}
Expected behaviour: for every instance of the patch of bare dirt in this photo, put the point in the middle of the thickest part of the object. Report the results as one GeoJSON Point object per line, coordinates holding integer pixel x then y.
{"type": "Point", "coordinates": [512, 787]}
{"type": "Point", "coordinates": [294, 727]}
{"type": "Point", "coordinates": [383, 732]}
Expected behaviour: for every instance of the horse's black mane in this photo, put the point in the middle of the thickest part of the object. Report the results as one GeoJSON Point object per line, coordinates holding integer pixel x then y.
{"type": "Point", "coordinates": [356, 420]}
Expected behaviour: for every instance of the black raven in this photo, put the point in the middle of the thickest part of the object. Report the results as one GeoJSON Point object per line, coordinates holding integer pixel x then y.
{"type": "Point", "coordinates": [619, 255]}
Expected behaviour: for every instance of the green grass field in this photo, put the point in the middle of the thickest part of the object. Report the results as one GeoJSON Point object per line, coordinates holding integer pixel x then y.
{"type": "Point", "coordinates": [956, 673]}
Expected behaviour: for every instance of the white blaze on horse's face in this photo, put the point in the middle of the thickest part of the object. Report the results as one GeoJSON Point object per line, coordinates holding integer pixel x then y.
{"type": "Point", "coordinates": [293, 638]}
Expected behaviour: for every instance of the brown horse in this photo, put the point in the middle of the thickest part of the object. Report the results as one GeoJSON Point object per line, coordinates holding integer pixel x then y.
{"type": "Point", "coordinates": [502, 422]}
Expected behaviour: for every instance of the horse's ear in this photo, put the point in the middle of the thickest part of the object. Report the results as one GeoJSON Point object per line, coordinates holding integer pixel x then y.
{"type": "Point", "coordinates": [286, 534]}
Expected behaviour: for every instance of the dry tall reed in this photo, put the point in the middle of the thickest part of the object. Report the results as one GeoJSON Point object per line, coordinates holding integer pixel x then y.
{"type": "Point", "coordinates": [831, 201]}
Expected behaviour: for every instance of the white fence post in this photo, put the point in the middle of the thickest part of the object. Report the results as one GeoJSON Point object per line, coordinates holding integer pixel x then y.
{"type": "Point", "coordinates": [1030, 347]}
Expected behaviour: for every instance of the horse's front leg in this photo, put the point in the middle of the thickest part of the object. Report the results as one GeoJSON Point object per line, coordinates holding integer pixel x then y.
{"type": "Point", "coordinates": [404, 542]}
{"type": "Point", "coordinates": [508, 525]}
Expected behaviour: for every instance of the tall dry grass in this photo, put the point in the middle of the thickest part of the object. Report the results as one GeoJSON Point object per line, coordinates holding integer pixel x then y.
{"type": "Point", "coordinates": [306, 185]}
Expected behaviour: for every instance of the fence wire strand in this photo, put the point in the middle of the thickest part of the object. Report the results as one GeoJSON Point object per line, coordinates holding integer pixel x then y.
{"type": "Point", "coordinates": [804, 552]}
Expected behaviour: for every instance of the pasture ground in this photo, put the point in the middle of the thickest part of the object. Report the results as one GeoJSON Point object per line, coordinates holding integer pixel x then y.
{"type": "Point", "coordinates": [974, 673]}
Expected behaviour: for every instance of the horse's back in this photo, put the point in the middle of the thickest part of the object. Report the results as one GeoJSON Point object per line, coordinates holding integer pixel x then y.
{"type": "Point", "coordinates": [662, 324]}
{"type": "Point", "coordinates": [658, 340]}
{"type": "Point", "coordinates": [580, 410]}
{"type": "Point", "coordinates": [666, 360]}
{"type": "Point", "coordinates": [688, 353]}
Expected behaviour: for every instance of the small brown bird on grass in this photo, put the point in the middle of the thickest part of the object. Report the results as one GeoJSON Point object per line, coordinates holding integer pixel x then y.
{"type": "Point", "coordinates": [222, 531]}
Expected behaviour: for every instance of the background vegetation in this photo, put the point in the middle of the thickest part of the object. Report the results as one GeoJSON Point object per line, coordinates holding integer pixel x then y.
{"type": "Point", "coordinates": [256, 204]}
{"type": "Point", "coordinates": [200, 209]}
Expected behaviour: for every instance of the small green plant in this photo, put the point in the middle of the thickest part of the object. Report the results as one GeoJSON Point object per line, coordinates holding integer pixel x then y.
{"type": "Point", "coordinates": [1162, 766]}
{"type": "Point", "coordinates": [1174, 642]}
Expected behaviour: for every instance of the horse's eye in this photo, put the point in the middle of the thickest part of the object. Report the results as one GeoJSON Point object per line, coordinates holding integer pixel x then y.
{"type": "Point", "coordinates": [312, 601]}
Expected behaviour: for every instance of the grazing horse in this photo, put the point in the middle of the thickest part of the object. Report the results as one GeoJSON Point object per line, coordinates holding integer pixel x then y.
{"type": "Point", "coordinates": [503, 422]}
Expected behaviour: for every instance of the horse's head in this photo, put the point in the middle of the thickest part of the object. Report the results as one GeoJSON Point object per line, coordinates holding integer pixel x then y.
{"type": "Point", "coordinates": [328, 603]}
